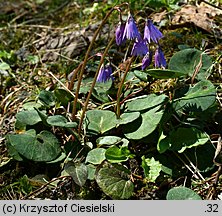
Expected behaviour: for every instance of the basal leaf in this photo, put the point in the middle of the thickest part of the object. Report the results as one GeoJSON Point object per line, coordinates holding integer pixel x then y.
{"type": "Point", "coordinates": [150, 120]}
{"type": "Point", "coordinates": [96, 156]}
{"type": "Point", "coordinates": [91, 171]}
{"type": "Point", "coordinates": [141, 75]}
{"type": "Point", "coordinates": [31, 105]}
{"type": "Point", "coordinates": [184, 138]}
{"type": "Point", "coordinates": [182, 193]}
{"type": "Point", "coordinates": [60, 121]}
{"type": "Point", "coordinates": [57, 120]}
{"type": "Point", "coordinates": [117, 155]}
{"type": "Point", "coordinates": [115, 182]}
{"type": "Point", "coordinates": [63, 96]}
{"type": "Point", "coordinates": [12, 151]}
{"type": "Point", "coordinates": [28, 117]}
{"type": "Point", "coordinates": [147, 102]}
{"type": "Point", "coordinates": [188, 60]}
{"type": "Point", "coordinates": [4, 66]}
{"type": "Point", "coordinates": [101, 89]}
{"type": "Point", "coordinates": [78, 171]}
{"type": "Point", "coordinates": [126, 118]}
{"type": "Point", "coordinates": [47, 98]}
{"type": "Point", "coordinates": [163, 143]}
{"type": "Point", "coordinates": [200, 96]}
{"type": "Point", "coordinates": [58, 159]}
{"type": "Point", "coordinates": [100, 121]}
{"type": "Point", "coordinates": [41, 147]}
{"type": "Point", "coordinates": [164, 74]}
{"type": "Point", "coordinates": [202, 157]}
{"type": "Point", "coordinates": [108, 140]}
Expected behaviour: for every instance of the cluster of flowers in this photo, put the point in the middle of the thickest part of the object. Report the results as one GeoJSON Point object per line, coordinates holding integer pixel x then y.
{"type": "Point", "coordinates": [129, 31]}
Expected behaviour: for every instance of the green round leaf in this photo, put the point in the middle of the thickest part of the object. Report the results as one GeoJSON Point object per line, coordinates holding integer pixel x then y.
{"type": "Point", "coordinates": [58, 159]}
{"type": "Point", "coordinates": [41, 147]}
{"type": "Point", "coordinates": [164, 74]}
{"type": "Point", "coordinates": [163, 143]}
{"type": "Point", "coordinates": [47, 98]}
{"type": "Point", "coordinates": [32, 59]}
{"type": "Point", "coordinates": [203, 157]}
{"type": "Point", "coordinates": [108, 140]}
{"type": "Point", "coordinates": [28, 117]}
{"type": "Point", "coordinates": [85, 85]}
{"type": "Point", "coordinates": [70, 125]}
{"type": "Point", "coordinates": [141, 75]}
{"type": "Point", "coordinates": [115, 182]}
{"type": "Point", "coordinates": [100, 121]}
{"type": "Point", "coordinates": [182, 193]}
{"type": "Point", "coordinates": [117, 155]}
{"type": "Point", "coordinates": [12, 151]}
{"type": "Point", "coordinates": [60, 121]}
{"type": "Point", "coordinates": [57, 120]}
{"type": "Point", "coordinates": [31, 105]}
{"type": "Point", "coordinates": [101, 89]}
{"type": "Point", "coordinates": [201, 96]}
{"type": "Point", "coordinates": [63, 96]}
{"type": "Point", "coordinates": [78, 172]}
{"type": "Point", "coordinates": [43, 116]}
{"type": "Point", "coordinates": [184, 138]}
{"type": "Point", "coordinates": [126, 118]}
{"type": "Point", "coordinates": [186, 61]}
{"type": "Point", "coordinates": [96, 156]}
{"type": "Point", "coordinates": [91, 171]}
{"type": "Point", "coordinates": [147, 102]}
{"type": "Point", "coordinates": [150, 121]}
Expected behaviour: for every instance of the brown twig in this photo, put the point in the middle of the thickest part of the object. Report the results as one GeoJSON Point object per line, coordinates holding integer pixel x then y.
{"type": "Point", "coordinates": [212, 5]}
{"type": "Point", "coordinates": [39, 190]}
{"type": "Point", "coordinates": [197, 69]}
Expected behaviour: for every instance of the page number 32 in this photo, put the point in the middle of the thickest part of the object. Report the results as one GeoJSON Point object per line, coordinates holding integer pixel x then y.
{"type": "Point", "coordinates": [212, 208]}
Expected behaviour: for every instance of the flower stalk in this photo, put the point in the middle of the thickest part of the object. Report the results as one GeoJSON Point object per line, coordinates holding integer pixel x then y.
{"type": "Point", "coordinates": [93, 84]}
{"type": "Point", "coordinates": [119, 92]}
{"type": "Point", "coordinates": [87, 56]}
{"type": "Point", "coordinates": [85, 62]}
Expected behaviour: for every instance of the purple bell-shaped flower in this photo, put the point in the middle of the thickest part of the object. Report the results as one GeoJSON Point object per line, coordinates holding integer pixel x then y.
{"type": "Point", "coordinates": [131, 32]}
{"type": "Point", "coordinates": [147, 59]}
{"type": "Point", "coordinates": [105, 74]}
{"type": "Point", "coordinates": [159, 59]}
{"type": "Point", "coordinates": [139, 48]}
{"type": "Point", "coordinates": [151, 32]}
{"type": "Point", "coordinates": [119, 34]}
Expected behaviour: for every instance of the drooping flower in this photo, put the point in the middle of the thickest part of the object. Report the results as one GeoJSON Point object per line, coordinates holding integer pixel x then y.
{"type": "Point", "coordinates": [147, 59]}
{"type": "Point", "coordinates": [159, 59]}
{"type": "Point", "coordinates": [139, 48]}
{"type": "Point", "coordinates": [105, 74]}
{"type": "Point", "coordinates": [131, 32]}
{"type": "Point", "coordinates": [119, 33]}
{"type": "Point", "coordinates": [151, 32]}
